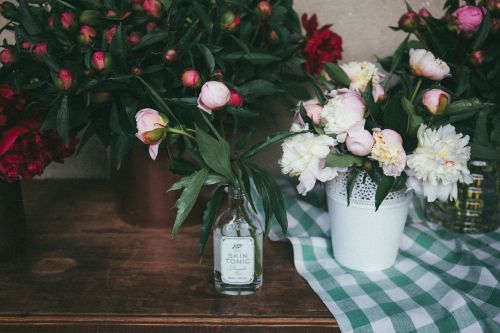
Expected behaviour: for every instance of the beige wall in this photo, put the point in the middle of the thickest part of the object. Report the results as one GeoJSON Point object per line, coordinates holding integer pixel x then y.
{"type": "Point", "coordinates": [362, 23]}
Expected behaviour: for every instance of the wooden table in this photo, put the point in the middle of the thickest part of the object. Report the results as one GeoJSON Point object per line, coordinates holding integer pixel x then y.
{"type": "Point", "coordinates": [85, 270]}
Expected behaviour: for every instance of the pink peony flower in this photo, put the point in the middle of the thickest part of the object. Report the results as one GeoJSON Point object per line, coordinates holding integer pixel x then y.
{"type": "Point", "coordinates": [191, 79]}
{"type": "Point", "coordinates": [389, 152]}
{"type": "Point", "coordinates": [214, 95]}
{"type": "Point", "coordinates": [423, 63]}
{"type": "Point", "coordinates": [151, 129]}
{"type": "Point", "coordinates": [469, 18]}
{"type": "Point", "coordinates": [436, 101]}
{"type": "Point", "coordinates": [359, 141]}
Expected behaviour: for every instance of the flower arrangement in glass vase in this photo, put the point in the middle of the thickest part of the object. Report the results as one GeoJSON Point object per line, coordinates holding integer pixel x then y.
{"type": "Point", "coordinates": [372, 141]}
{"type": "Point", "coordinates": [466, 37]}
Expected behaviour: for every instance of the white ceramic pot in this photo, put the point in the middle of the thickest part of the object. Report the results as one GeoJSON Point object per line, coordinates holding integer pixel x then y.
{"type": "Point", "coordinates": [363, 239]}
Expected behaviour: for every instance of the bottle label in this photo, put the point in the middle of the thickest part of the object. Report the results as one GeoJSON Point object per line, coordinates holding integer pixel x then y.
{"type": "Point", "coordinates": [237, 260]}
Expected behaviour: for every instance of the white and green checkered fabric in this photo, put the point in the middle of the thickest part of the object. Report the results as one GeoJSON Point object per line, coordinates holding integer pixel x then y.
{"type": "Point", "coordinates": [441, 282]}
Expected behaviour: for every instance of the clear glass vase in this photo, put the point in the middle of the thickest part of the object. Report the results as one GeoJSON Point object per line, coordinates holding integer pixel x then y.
{"type": "Point", "coordinates": [237, 248]}
{"type": "Point", "coordinates": [476, 209]}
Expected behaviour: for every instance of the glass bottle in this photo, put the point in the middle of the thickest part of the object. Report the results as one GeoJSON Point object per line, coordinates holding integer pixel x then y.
{"type": "Point", "coordinates": [237, 248]}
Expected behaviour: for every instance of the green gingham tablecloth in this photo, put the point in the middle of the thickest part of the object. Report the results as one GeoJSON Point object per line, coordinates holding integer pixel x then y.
{"type": "Point", "coordinates": [441, 282]}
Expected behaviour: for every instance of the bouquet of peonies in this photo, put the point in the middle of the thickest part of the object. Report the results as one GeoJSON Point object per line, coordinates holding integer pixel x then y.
{"type": "Point", "coordinates": [25, 150]}
{"type": "Point", "coordinates": [93, 64]}
{"type": "Point", "coordinates": [400, 137]}
{"type": "Point", "coordinates": [467, 39]}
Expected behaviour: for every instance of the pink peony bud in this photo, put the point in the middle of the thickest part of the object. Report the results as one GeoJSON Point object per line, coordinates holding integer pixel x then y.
{"type": "Point", "coordinates": [424, 12]}
{"type": "Point", "coordinates": [214, 95]}
{"type": "Point", "coordinates": [423, 63]}
{"type": "Point", "coordinates": [134, 38]}
{"type": "Point", "coordinates": [136, 4]}
{"type": "Point", "coordinates": [153, 7]}
{"type": "Point", "coordinates": [7, 57]}
{"type": "Point", "coordinates": [378, 93]}
{"type": "Point", "coordinates": [40, 49]}
{"type": "Point", "coordinates": [235, 99]}
{"type": "Point", "coordinates": [409, 22]}
{"type": "Point", "coordinates": [136, 70]}
{"type": "Point", "coordinates": [264, 9]}
{"type": "Point", "coordinates": [26, 45]}
{"type": "Point", "coordinates": [50, 22]}
{"type": "Point", "coordinates": [170, 55]}
{"type": "Point", "coordinates": [477, 57]}
{"type": "Point", "coordinates": [67, 20]}
{"type": "Point", "coordinates": [151, 129]}
{"type": "Point", "coordinates": [314, 112]}
{"type": "Point", "coordinates": [7, 93]}
{"type": "Point", "coordinates": [110, 33]}
{"type": "Point", "coordinates": [191, 79]}
{"type": "Point", "coordinates": [150, 26]}
{"type": "Point", "coordinates": [111, 13]}
{"type": "Point", "coordinates": [436, 101]}
{"type": "Point", "coordinates": [100, 60]}
{"type": "Point", "coordinates": [359, 141]}
{"type": "Point", "coordinates": [273, 36]}
{"type": "Point", "coordinates": [87, 35]}
{"type": "Point", "coordinates": [64, 80]}
{"type": "Point", "coordinates": [468, 19]}
{"type": "Point", "coordinates": [230, 21]}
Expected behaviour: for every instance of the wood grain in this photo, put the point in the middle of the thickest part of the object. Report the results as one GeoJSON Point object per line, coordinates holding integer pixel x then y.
{"type": "Point", "coordinates": [85, 270]}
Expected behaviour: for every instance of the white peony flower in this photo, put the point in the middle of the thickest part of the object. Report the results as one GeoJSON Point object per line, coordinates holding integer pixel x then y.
{"type": "Point", "coordinates": [342, 112]}
{"type": "Point", "coordinates": [304, 157]}
{"type": "Point", "coordinates": [360, 74]}
{"type": "Point", "coordinates": [438, 163]}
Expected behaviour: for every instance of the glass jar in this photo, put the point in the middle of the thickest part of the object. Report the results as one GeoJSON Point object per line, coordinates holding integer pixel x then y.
{"type": "Point", "coordinates": [237, 248]}
{"type": "Point", "coordinates": [476, 209]}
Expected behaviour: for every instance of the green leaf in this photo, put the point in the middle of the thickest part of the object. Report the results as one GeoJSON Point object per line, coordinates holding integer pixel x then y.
{"type": "Point", "coordinates": [167, 4]}
{"type": "Point", "coordinates": [242, 45]}
{"type": "Point", "coordinates": [247, 187]}
{"type": "Point", "coordinates": [209, 218]}
{"type": "Point", "coordinates": [414, 119]}
{"type": "Point", "coordinates": [62, 120]}
{"type": "Point", "coordinates": [481, 131]}
{"type": "Point", "coordinates": [258, 88]}
{"type": "Point", "coordinates": [120, 146]}
{"type": "Point", "coordinates": [151, 39]}
{"type": "Point", "coordinates": [243, 141]}
{"type": "Point", "coordinates": [383, 189]}
{"type": "Point", "coordinates": [119, 50]}
{"type": "Point", "coordinates": [465, 105]}
{"type": "Point", "coordinates": [188, 197]}
{"type": "Point", "coordinates": [209, 58]}
{"type": "Point", "coordinates": [342, 161]}
{"type": "Point", "coordinates": [484, 152]}
{"type": "Point", "coordinates": [483, 32]}
{"type": "Point", "coordinates": [351, 181]}
{"type": "Point", "coordinates": [337, 74]}
{"type": "Point", "coordinates": [215, 153]}
{"type": "Point", "coordinates": [265, 143]}
{"type": "Point", "coordinates": [28, 20]}
{"type": "Point", "coordinates": [242, 112]}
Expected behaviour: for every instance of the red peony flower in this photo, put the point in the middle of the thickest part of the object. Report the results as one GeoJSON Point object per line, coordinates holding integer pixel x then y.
{"type": "Point", "coordinates": [322, 45]}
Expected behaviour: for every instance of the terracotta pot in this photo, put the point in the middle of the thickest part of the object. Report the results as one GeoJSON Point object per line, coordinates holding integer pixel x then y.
{"type": "Point", "coordinates": [141, 186]}
{"type": "Point", "coordinates": [12, 220]}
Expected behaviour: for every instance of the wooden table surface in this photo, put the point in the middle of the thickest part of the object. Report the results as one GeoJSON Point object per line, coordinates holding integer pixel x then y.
{"type": "Point", "coordinates": [85, 270]}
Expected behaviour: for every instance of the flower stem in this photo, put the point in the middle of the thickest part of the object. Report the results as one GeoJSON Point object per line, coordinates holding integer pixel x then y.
{"type": "Point", "coordinates": [211, 126]}
{"type": "Point", "coordinates": [415, 92]}
{"type": "Point", "coordinates": [180, 132]}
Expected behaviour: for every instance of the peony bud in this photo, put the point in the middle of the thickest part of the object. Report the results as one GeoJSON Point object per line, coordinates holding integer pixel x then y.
{"type": "Point", "coordinates": [100, 61]}
{"type": "Point", "coordinates": [150, 26]}
{"type": "Point", "coordinates": [359, 141]}
{"type": "Point", "coordinates": [235, 99]}
{"type": "Point", "coordinates": [100, 97]}
{"type": "Point", "coordinates": [136, 4]}
{"type": "Point", "coordinates": [409, 22]}
{"type": "Point", "coordinates": [424, 12]}
{"type": "Point", "coordinates": [50, 22]}
{"type": "Point", "coordinates": [134, 38]}
{"type": "Point", "coordinates": [87, 35]}
{"type": "Point", "coordinates": [153, 7]}
{"type": "Point", "coordinates": [495, 25]}
{"type": "Point", "coordinates": [152, 128]}
{"type": "Point", "coordinates": [111, 13]}
{"type": "Point", "coordinates": [90, 16]}
{"type": "Point", "coordinates": [7, 93]}
{"type": "Point", "coordinates": [109, 34]}
{"type": "Point", "coordinates": [264, 9]}
{"type": "Point", "coordinates": [214, 95]}
{"type": "Point", "coordinates": [314, 112]}
{"type": "Point", "coordinates": [230, 21]}
{"type": "Point", "coordinates": [217, 75]}
{"type": "Point", "coordinates": [492, 5]}
{"type": "Point", "coordinates": [136, 70]}
{"type": "Point", "coordinates": [64, 80]}
{"type": "Point", "coordinates": [468, 19]}
{"type": "Point", "coordinates": [378, 93]}
{"type": "Point", "coordinates": [40, 49]}
{"type": "Point", "coordinates": [477, 57]}
{"type": "Point", "coordinates": [273, 36]}
{"type": "Point", "coordinates": [7, 57]}
{"type": "Point", "coordinates": [26, 45]}
{"type": "Point", "coordinates": [170, 55]}
{"type": "Point", "coordinates": [436, 101]}
{"type": "Point", "coordinates": [423, 63]}
{"type": "Point", "coordinates": [191, 79]}
{"type": "Point", "coordinates": [67, 20]}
